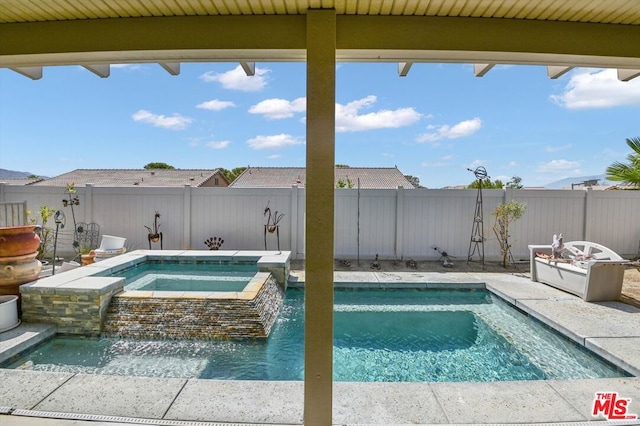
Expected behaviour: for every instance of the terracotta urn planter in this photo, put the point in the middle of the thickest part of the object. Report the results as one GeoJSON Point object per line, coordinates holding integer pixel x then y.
{"type": "Point", "coordinates": [18, 240]}
{"type": "Point", "coordinates": [18, 252]}
{"type": "Point", "coordinates": [16, 273]}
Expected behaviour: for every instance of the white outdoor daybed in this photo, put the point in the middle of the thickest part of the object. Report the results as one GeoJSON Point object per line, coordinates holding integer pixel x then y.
{"type": "Point", "coordinates": [589, 270]}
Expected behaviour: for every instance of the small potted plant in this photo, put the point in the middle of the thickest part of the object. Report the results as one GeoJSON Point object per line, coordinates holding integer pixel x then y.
{"type": "Point", "coordinates": [87, 255]}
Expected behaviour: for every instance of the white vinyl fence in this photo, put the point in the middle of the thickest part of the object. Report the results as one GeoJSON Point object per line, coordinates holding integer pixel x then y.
{"type": "Point", "coordinates": [395, 224]}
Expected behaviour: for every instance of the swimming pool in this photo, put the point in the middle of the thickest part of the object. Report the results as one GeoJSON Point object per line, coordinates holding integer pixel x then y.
{"type": "Point", "coordinates": [381, 335]}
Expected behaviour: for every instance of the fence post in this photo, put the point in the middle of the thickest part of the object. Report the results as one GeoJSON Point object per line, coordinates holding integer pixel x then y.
{"type": "Point", "coordinates": [586, 232]}
{"type": "Point", "coordinates": [508, 195]}
{"type": "Point", "coordinates": [399, 222]}
{"type": "Point", "coordinates": [187, 218]}
{"type": "Point", "coordinates": [2, 186]}
{"type": "Point", "coordinates": [88, 203]}
{"type": "Point", "coordinates": [294, 221]}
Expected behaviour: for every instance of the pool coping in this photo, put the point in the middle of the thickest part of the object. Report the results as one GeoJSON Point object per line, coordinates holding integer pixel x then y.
{"type": "Point", "coordinates": [608, 328]}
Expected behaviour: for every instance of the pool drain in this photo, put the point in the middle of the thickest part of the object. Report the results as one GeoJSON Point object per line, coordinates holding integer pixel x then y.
{"type": "Point", "coordinates": [116, 419]}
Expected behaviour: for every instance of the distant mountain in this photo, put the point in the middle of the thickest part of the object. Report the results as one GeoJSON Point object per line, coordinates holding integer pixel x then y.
{"type": "Point", "coordinates": [12, 174]}
{"type": "Point", "coordinates": [566, 183]}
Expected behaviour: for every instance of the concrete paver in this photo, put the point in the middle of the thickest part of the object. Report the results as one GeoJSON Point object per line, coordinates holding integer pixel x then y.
{"type": "Point", "coordinates": [386, 403]}
{"type": "Point", "coordinates": [25, 389]}
{"type": "Point", "coordinates": [239, 402]}
{"type": "Point", "coordinates": [624, 352]}
{"type": "Point", "coordinates": [23, 337]}
{"type": "Point", "coordinates": [119, 396]}
{"type": "Point", "coordinates": [581, 393]}
{"type": "Point", "coordinates": [582, 319]}
{"type": "Point", "coordinates": [503, 402]}
{"type": "Point", "coordinates": [41, 421]}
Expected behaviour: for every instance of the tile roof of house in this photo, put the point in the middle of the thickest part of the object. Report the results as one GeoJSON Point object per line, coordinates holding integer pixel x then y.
{"type": "Point", "coordinates": [285, 177]}
{"type": "Point", "coordinates": [132, 177]}
{"type": "Point", "coordinates": [19, 181]}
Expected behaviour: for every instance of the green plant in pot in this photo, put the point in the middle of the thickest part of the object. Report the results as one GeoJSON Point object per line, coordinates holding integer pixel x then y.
{"type": "Point", "coordinates": [46, 233]}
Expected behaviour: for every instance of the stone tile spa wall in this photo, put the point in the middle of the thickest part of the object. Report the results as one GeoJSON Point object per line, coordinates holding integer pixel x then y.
{"type": "Point", "coordinates": [77, 308]}
{"type": "Point", "coordinates": [197, 315]}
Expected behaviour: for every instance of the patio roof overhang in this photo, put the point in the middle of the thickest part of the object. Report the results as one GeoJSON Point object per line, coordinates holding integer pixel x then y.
{"type": "Point", "coordinates": [273, 38]}
{"type": "Point", "coordinates": [557, 33]}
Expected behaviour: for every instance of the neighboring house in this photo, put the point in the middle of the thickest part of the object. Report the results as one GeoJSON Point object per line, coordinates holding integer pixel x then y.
{"type": "Point", "coordinates": [19, 181]}
{"type": "Point", "coordinates": [139, 177]}
{"type": "Point", "coordinates": [285, 177]}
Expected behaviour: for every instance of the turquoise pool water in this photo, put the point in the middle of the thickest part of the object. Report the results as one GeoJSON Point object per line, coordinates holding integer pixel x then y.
{"type": "Point", "coordinates": [188, 276]}
{"type": "Point", "coordinates": [382, 335]}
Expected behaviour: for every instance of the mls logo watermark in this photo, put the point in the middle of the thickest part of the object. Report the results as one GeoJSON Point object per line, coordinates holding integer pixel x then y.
{"type": "Point", "coordinates": [613, 407]}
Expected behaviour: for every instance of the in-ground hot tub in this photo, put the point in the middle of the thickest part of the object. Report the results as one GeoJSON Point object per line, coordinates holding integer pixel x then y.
{"type": "Point", "coordinates": [94, 299]}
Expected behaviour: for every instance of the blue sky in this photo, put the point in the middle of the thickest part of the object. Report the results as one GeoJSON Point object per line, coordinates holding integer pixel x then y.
{"type": "Point", "coordinates": [434, 123]}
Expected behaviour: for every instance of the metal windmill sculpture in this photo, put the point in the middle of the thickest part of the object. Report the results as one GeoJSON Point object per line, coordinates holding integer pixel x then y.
{"type": "Point", "coordinates": [476, 244]}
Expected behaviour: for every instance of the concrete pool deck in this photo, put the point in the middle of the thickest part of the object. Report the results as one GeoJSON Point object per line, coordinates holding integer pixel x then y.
{"type": "Point", "coordinates": [611, 329]}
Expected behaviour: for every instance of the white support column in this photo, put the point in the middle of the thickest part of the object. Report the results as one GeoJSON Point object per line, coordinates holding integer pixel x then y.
{"type": "Point", "coordinates": [293, 243]}
{"type": "Point", "coordinates": [399, 222]}
{"type": "Point", "coordinates": [319, 226]}
{"type": "Point", "coordinates": [187, 218]}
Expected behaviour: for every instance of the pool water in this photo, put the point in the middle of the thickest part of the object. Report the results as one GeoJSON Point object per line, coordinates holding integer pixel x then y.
{"type": "Point", "coordinates": [382, 335]}
{"type": "Point", "coordinates": [188, 276]}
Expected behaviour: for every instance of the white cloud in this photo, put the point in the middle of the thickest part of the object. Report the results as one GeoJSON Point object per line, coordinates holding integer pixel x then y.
{"type": "Point", "coordinates": [215, 105]}
{"type": "Point", "coordinates": [348, 118]}
{"type": "Point", "coordinates": [512, 164]}
{"type": "Point", "coordinates": [477, 163]}
{"type": "Point", "coordinates": [273, 142]}
{"type": "Point", "coordinates": [445, 131]}
{"type": "Point", "coordinates": [388, 154]}
{"type": "Point", "coordinates": [218, 144]}
{"type": "Point", "coordinates": [275, 109]}
{"type": "Point", "coordinates": [442, 162]}
{"type": "Point", "coordinates": [554, 166]}
{"type": "Point", "coordinates": [274, 156]}
{"type": "Point", "coordinates": [598, 89]}
{"type": "Point", "coordinates": [131, 67]}
{"type": "Point", "coordinates": [237, 79]}
{"type": "Point", "coordinates": [549, 148]}
{"type": "Point", "coordinates": [174, 122]}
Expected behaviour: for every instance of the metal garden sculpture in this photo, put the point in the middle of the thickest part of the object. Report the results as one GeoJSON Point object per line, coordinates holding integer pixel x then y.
{"type": "Point", "coordinates": [154, 234]}
{"type": "Point", "coordinates": [272, 225]}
